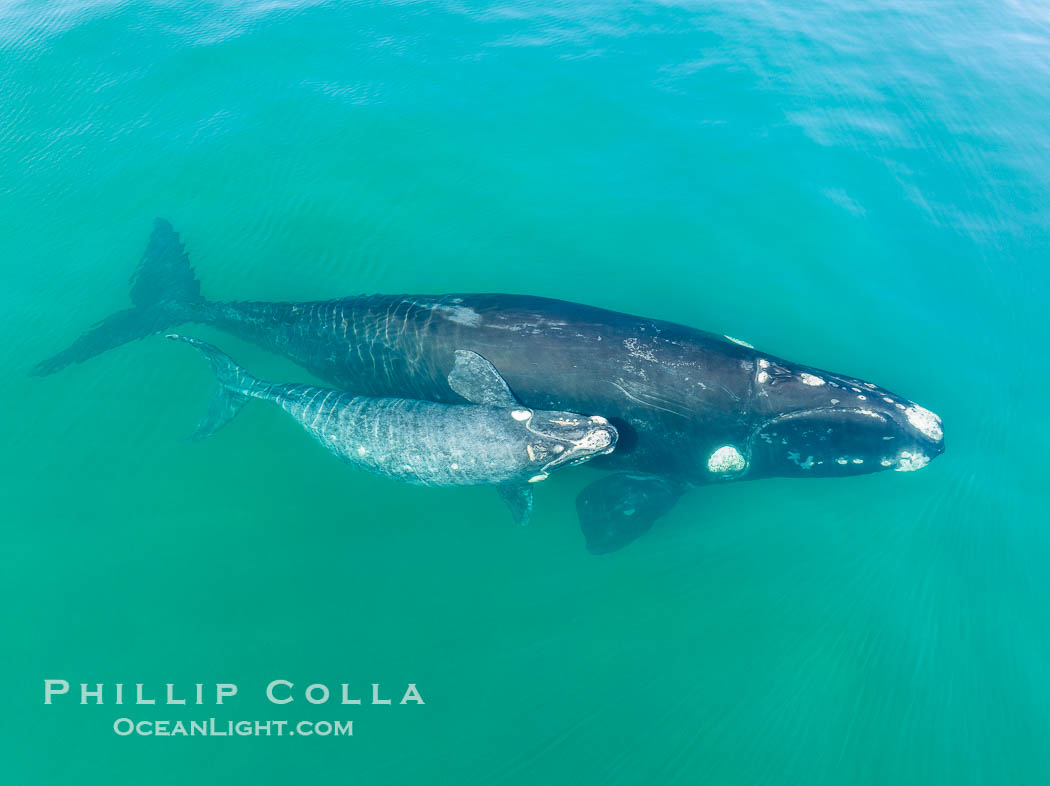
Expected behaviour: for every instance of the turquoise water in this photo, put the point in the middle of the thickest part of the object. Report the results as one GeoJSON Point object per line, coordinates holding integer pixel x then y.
{"type": "Point", "coordinates": [855, 186]}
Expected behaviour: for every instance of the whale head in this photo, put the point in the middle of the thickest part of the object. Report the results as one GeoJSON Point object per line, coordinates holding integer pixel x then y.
{"type": "Point", "coordinates": [556, 439]}
{"type": "Point", "coordinates": [551, 439]}
{"type": "Point", "coordinates": [811, 423]}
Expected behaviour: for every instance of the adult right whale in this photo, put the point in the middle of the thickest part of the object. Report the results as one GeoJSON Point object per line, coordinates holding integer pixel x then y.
{"type": "Point", "coordinates": [690, 407]}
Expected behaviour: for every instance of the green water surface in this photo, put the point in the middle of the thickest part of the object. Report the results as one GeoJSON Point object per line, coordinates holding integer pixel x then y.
{"type": "Point", "coordinates": [857, 186]}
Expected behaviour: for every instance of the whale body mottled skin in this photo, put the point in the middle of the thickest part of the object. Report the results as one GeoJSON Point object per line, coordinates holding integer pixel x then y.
{"type": "Point", "coordinates": [690, 407]}
{"type": "Point", "coordinates": [494, 441]}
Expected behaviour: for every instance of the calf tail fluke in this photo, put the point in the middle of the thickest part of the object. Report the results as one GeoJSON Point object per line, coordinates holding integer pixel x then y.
{"type": "Point", "coordinates": [165, 293]}
{"type": "Point", "coordinates": [235, 387]}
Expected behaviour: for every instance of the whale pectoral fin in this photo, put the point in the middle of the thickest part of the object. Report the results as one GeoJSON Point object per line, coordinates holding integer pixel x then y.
{"type": "Point", "coordinates": [519, 499]}
{"type": "Point", "coordinates": [477, 380]}
{"type": "Point", "coordinates": [617, 509]}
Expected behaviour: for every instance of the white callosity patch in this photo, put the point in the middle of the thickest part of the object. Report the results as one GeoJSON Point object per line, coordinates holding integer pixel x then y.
{"type": "Point", "coordinates": [726, 459]}
{"type": "Point", "coordinates": [925, 422]}
{"type": "Point", "coordinates": [521, 414]}
{"type": "Point", "coordinates": [738, 341]}
{"type": "Point", "coordinates": [812, 379]}
{"type": "Point", "coordinates": [565, 421]}
{"type": "Point", "coordinates": [594, 440]}
{"type": "Point", "coordinates": [909, 462]}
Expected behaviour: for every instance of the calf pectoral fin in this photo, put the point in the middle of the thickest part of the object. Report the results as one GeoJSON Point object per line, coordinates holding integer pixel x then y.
{"type": "Point", "coordinates": [617, 509]}
{"type": "Point", "coordinates": [519, 499]}
{"type": "Point", "coordinates": [477, 381]}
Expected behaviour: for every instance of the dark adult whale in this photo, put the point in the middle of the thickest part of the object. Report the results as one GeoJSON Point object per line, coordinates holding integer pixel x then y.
{"type": "Point", "coordinates": [493, 441]}
{"type": "Point", "coordinates": [690, 407]}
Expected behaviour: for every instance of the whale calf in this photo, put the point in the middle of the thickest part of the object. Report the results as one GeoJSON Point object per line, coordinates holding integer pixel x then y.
{"type": "Point", "coordinates": [691, 408]}
{"type": "Point", "coordinates": [495, 440]}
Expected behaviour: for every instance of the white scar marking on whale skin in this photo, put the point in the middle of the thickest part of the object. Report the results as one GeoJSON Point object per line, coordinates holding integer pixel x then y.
{"type": "Point", "coordinates": [925, 422]}
{"type": "Point", "coordinates": [795, 457]}
{"type": "Point", "coordinates": [834, 401]}
{"type": "Point", "coordinates": [538, 478]}
{"type": "Point", "coordinates": [461, 314]}
{"type": "Point", "coordinates": [812, 379]}
{"type": "Point", "coordinates": [741, 343]}
{"type": "Point", "coordinates": [647, 403]}
{"type": "Point", "coordinates": [909, 462]}
{"type": "Point", "coordinates": [635, 349]}
{"type": "Point", "coordinates": [726, 459]}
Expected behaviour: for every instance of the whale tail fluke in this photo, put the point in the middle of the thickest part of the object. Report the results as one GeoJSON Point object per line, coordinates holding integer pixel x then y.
{"type": "Point", "coordinates": [165, 293]}
{"type": "Point", "coordinates": [236, 386]}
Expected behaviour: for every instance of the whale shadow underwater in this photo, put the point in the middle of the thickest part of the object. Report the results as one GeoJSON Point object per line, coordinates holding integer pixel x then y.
{"type": "Point", "coordinates": [690, 407]}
